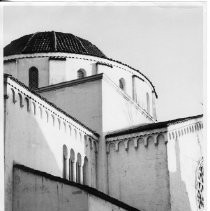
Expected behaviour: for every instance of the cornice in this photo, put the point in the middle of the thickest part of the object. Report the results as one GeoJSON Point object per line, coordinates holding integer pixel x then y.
{"type": "Point", "coordinates": [20, 92]}
{"type": "Point", "coordinates": [106, 61]}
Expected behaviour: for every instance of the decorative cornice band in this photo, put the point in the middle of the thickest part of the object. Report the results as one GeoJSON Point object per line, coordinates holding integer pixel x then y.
{"type": "Point", "coordinates": [109, 61]}
{"type": "Point", "coordinates": [50, 112]}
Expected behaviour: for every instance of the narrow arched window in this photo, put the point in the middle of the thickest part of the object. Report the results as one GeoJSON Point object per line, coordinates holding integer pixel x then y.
{"type": "Point", "coordinates": [81, 73]}
{"type": "Point", "coordinates": [148, 102]}
{"type": "Point", "coordinates": [78, 168]}
{"type": "Point", "coordinates": [85, 171]}
{"type": "Point", "coordinates": [33, 78]}
{"type": "Point", "coordinates": [65, 156]}
{"type": "Point", "coordinates": [71, 165]}
{"type": "Point", "coordinates": [122, 84]}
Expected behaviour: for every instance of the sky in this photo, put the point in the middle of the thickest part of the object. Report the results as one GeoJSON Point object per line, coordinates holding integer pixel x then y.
{"type": "Point", "coordinates": [164, 42]}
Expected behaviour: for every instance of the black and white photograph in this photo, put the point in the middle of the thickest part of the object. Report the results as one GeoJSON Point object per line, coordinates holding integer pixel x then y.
{"type": "Point", "coordinates": [104, 106]}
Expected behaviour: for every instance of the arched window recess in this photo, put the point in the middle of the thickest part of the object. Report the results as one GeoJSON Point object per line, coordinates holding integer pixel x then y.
{"type": "Point", "coordinates": [33, 78]}
{"type": "Point", "coordinates": [78, 168]}
{"type": "Point", "coordinates": [65, 156]}
{"type": "Point", "coordinates": [81, 73]}
{"type": "Point", "coordinates": [122, 84]}
{"type": "Point", "coordinates": [71, 165]}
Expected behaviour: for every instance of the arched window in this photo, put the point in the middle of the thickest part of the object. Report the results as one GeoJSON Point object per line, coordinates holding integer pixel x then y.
{"type": "Point", "coordinates": [85, 171]}
{"type": "Point", "coordinates": [33, 78]}
{"type": "Point", "coordinates": [81, 73]}
{"type": "Point", "coordinates": [122, 84]}
{"type": "Point", "coordinates": [65, 155]}
{"type": "Point", "coordinates": [71, 165]}
{"type": "Point", "coordinates": [78, 168]}
{"type": "Point", "coordinates": [148, 102]}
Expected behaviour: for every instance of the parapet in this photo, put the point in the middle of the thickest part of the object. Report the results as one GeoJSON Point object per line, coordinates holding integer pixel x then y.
{"type": "Point", "coordinates": [47, 111]}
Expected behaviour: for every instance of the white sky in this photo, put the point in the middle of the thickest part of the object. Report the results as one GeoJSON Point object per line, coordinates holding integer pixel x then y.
{"type": "Point", "coordinates": [163, 42]}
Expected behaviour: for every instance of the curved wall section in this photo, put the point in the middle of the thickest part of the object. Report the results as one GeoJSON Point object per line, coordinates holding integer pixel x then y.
{"type": "Point", "coordinates": [56, 68]}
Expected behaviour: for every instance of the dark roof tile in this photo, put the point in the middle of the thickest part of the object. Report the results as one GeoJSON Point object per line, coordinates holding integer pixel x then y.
{"type": "Point", "coordinates": [42, 42]}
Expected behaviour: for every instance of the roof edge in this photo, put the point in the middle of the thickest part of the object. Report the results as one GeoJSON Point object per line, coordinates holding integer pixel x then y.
{"type": "Point", "coordinates": [105, 58]}
{"type": "Point", "coordinates": [70, 83]}
{"type": "Point", "coordinates": [158, 125]}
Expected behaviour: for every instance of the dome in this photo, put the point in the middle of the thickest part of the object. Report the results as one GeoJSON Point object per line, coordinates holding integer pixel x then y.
{"type": "Point", "coordinates": [44, 42]}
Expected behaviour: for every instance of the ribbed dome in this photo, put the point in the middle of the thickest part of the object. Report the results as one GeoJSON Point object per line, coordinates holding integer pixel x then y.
{"type": "Point", "coordinates": [44, 42]}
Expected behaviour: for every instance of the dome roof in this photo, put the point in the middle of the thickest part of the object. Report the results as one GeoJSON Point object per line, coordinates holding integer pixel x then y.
{"type": "Point", "coordinates": [44, 42]}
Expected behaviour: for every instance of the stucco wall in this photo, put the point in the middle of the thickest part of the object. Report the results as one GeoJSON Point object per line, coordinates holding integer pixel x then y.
{"type": "Point", "coordinates": [118, 110]}
{"type": "Point", "coordinates": [185, 149]}
{"type": "Point", "coordinates": [36, 141]}
{"type": "Point", "coordinates": [60, 67]}
{"type": "Point", "coordinates": [135, 88]}
{"type": "Point", "coordinates": [139, 175]}
{"type": "Point", "coordinates": [140, 90]}
{"type": "Point", "coordinates": [96, 204]}
{"type": "Point", "coordinates": [83, 101]}
{"type": "Point", "coordinates": [102, 106]}
{"type": "Point", "coordinates": [115, 74]}
{"type": "Point", "coordinates": [57, 71]}
{"type": "Point", "coordinates": [11, 68]}
{"type": "Point", "coordinates": [21, 69]}
{"type": "Point", "coordinates": [73, 65]}
{"type": "Point", "coordinates": [34, 192]}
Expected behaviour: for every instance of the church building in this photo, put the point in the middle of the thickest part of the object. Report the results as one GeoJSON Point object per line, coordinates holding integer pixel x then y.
{"type": "Point", "coordinates": [81, 133]}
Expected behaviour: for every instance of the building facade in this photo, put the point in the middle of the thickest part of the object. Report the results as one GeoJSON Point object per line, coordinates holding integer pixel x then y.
{"type": "Point", "coordinates": [74, 113]}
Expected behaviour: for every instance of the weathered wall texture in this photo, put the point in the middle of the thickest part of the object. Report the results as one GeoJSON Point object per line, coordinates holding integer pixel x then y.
{"type": "Point", "coordinates": [34, 192]}
{"type": "Point", "coordinates": [36, 140]}
{"type": "Point", "coordinates": [138, 174]}
{"type": "Point", "coordinates": [97, 204]}
{"type": "Point", "coordinates": [185, 149]}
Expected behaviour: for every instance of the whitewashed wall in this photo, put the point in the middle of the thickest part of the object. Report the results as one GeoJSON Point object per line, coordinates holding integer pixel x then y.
{"type": "Point", "coordinates": [185, 149]}
{"type": "Point", "coordinates": [137, 170]}
{"type": "Point", "coordinates": [83, 101]}
{"type": "Point", "coordinates": [35, 138]}
{"type": "Point", "coordinates": [53, 70]}
{"type": "Point", "coordinates": [20, 70]}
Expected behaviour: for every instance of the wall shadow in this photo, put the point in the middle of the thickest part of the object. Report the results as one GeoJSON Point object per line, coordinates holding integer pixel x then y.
{"type": "Point", "coordinates": [179, 198]}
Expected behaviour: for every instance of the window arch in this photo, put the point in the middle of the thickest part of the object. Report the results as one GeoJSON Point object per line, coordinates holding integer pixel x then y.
{"type": "Point", "coordinates": [122, 84]}
{"type": "Point", "coordinates": [33, 78]}
{"type": "Point", "coordinates": [85, 171]}
{"type": "Point", "coordinates": [148, 102]}
{"type": "Point", "coordinates": [81, 73]}
{"type": "Point", "coordinates": [78, 168]}
{"type": "Point", "coordinates": [71, 165]}
{"type": "Point", "coordinates": [65, 155]}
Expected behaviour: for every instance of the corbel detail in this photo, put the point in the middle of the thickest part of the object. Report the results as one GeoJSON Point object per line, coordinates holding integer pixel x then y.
{"type": "Point", "coordinates": [145, 141]}
{"type": "Point", "coordinates": [135, 141]}
{"type": "Point", "coordinates": [126, 144]}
